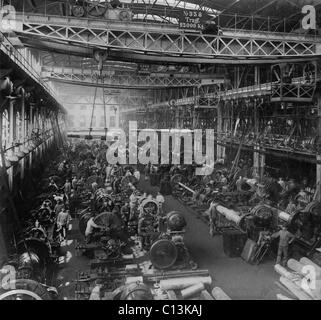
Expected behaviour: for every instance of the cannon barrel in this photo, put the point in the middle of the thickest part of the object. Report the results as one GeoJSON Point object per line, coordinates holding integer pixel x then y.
{"type": "Point", "coordinates": [186, 187]}
{"type": "Point", "coordinates": [262, 214]}
{"type": "Point", "coordinates": [229, 214]}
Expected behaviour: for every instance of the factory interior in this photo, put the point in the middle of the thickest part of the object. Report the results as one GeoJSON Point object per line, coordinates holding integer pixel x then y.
{"type": "Point", "coordinates": [160, 150]}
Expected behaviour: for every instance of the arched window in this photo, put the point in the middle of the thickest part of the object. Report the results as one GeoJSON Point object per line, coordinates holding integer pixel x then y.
{"type": "Point", "coordinates": [18, 127]}
{"type": "Point", "coordinates": [5, 129]}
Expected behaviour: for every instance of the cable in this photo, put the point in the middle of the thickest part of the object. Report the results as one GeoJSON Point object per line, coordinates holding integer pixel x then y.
{"type": "Point", "coordinates": [105, 115]}
{"type": "Point", "coordinates": [93, 109]}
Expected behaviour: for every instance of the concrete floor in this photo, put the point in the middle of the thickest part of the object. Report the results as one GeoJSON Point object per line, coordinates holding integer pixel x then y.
{"type": "Point", "coordinates": [237, 278]}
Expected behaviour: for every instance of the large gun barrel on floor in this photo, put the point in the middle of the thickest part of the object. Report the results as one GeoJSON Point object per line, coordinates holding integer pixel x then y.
{"type": "Point", "coordinates": [229, 214]}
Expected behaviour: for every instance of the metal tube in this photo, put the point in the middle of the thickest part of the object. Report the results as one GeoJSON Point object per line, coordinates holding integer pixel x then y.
{"type": "Point", "coordinates": [181, 283]}
{"type": "Point", "coordinates": [193, 290]}
{"type": "Point", "coordinates": [219, 294]}
{"type": "Point", "coordinates": [186, 187]}
{"type": "Point", "coordinates": [229, 214]}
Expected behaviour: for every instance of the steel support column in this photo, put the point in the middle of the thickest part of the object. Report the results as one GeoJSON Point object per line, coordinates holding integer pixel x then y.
{"type": "Point", "coordinates": [31, 126]}
{"type": "Point", "coordinates": [3, 248]}
{"type": "Point", "coordinates": [220, 149]}
{"type": "Point", "coordinates": [318, 155]}
{"type": "Point", "coordinates": [23, 133]}
{"type": "Point", "coordinates": [10, 153]}
{"type": "Point", "coordinates": [258, 155]}
{"type": "Point", "coordinates": [177, 118]}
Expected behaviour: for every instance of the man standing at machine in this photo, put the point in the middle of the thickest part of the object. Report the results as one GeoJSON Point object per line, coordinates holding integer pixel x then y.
{"type": "Point", "coordinates": [67, 188]}
{"type": "Point", "coordinates": [125, 212]}
{"type": "Point", "coordinates": [63, 220]}
{"type": "Point", "coordinates": [146, 228]}
{"type": "Point", "coordinates": [132, 203]}
{"type": "Point", "coordinates": [160, 200]}
{"type": "Point", "coordinates": [213, 219]}
{"type": "Point", "coordinates": [59, 205]}
{"type": "Point", "coordinates": [91, 226]}
{"type": "Point", "coordinates": [286, 238]}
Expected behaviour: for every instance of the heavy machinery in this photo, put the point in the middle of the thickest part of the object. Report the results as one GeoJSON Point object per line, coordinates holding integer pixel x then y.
{"type": "Point", "coordinates": [94, 179]}
{"type": "Point", "coordinates": [169, 251]}
{"type": "Point", "coordinates": [303, 223]}
{"type": "Point", "coordinates": [149, 206]}
{"type": "Point", "coordinates": [125, 183]}
{"type": "Point", "coordinates": [101, 197]}
{"type": "Point", "coordinates": [205, 189]}
{"type": "Point", "coordinates": [107, 243]}
{"type": "Point", "coordinates": [97, 9]}
{"type": "Point", "coordinates": [136, 291]}
{"type": "Point", "coordinates": [33, 266]}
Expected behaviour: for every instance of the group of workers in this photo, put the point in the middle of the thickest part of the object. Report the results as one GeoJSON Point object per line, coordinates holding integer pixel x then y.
{"type": "Point", "coordinates": [56, 213]}
{"type": "Point", "coordinates": [130, 208]}
{"type": "Point", "coordinates": [289, 196]}
{"type": "Point", "coordinates": [120, 214]}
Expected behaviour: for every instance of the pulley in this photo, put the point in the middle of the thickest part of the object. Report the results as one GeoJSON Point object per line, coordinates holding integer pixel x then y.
{"type": "Point", "coordinates": [136, 291]}
{"type": "Point", "coordinates": [149, 206]}
{"type": "Point", "coordinates": [39, 247]}
{"type": "Point", "coordinates": [78, 11]}
{"type": "Point", "coordinates": [176, 179]}
{"type": "Point", "coordinates": [6, 86]}
{"type": "Point", "coordinates": [175, 221]}
{"type": "Point", "coordinates": [96, 9]}
{"type": "Point", "coordinates": [163, 254]}
{"type": "Point", "coordinates": [262, 215]}
{"type": "Point", "coordinates": [24, 289]}
{"type": "Point", "coordinates": [125, 15]}
{"type": "Point", "coordinates": [106, 219]}
{"type": "Point", "coordinates": [101, 195]}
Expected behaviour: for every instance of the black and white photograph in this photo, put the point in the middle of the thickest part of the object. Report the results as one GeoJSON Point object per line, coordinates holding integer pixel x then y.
{"type": "Point", "coordinates": [162, 151]}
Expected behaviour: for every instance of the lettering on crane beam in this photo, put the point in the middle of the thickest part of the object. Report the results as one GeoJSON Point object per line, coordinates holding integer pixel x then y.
{"type": "Point", "coordinates": [192, 20]}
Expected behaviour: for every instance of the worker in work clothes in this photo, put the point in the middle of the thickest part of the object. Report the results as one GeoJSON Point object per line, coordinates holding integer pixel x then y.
{"type": "Point", "coordinates": [67, 188]}
{"type": "Point", "coordinates": [286, 238]}
{"type": "Point", "coordinates": [213, 216]}
{"type": "Point", "coordinates": [160, 200]}
{"type": "Point", "coordinates": [146, 228]}
{"type": "Point", "coordinates": [74, 183]}
{"type": "Point", "coordinates": [125, 212]}
{"type": "Point", "coordinates": [90, 229]}
{"type": "Point", "coordinates": [59, 206]}
{"type": "Point", "coordinates": [63, 220]}
{"type": "Point", "coordinates": [94, 186]}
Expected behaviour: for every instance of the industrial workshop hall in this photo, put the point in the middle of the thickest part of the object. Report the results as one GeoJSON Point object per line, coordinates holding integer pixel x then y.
{"type": "Point", "coordinates": [160, 150]}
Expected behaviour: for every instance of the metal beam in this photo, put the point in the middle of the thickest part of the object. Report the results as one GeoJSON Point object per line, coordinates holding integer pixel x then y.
{"type": "Point", "coordinates": [121, 100]}
{"type": "Point", "coordinates": [154, 39]}
{"type": "Point", "coordinates": [260, 90]}
{"type": "Point", "coordinates": [126, 81]}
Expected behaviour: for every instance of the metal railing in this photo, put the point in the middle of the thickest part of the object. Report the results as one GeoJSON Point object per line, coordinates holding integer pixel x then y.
{"type": "Point", "coordinates": [20, 59]}
{"type": "Point", "coordinates": [269, 24]}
